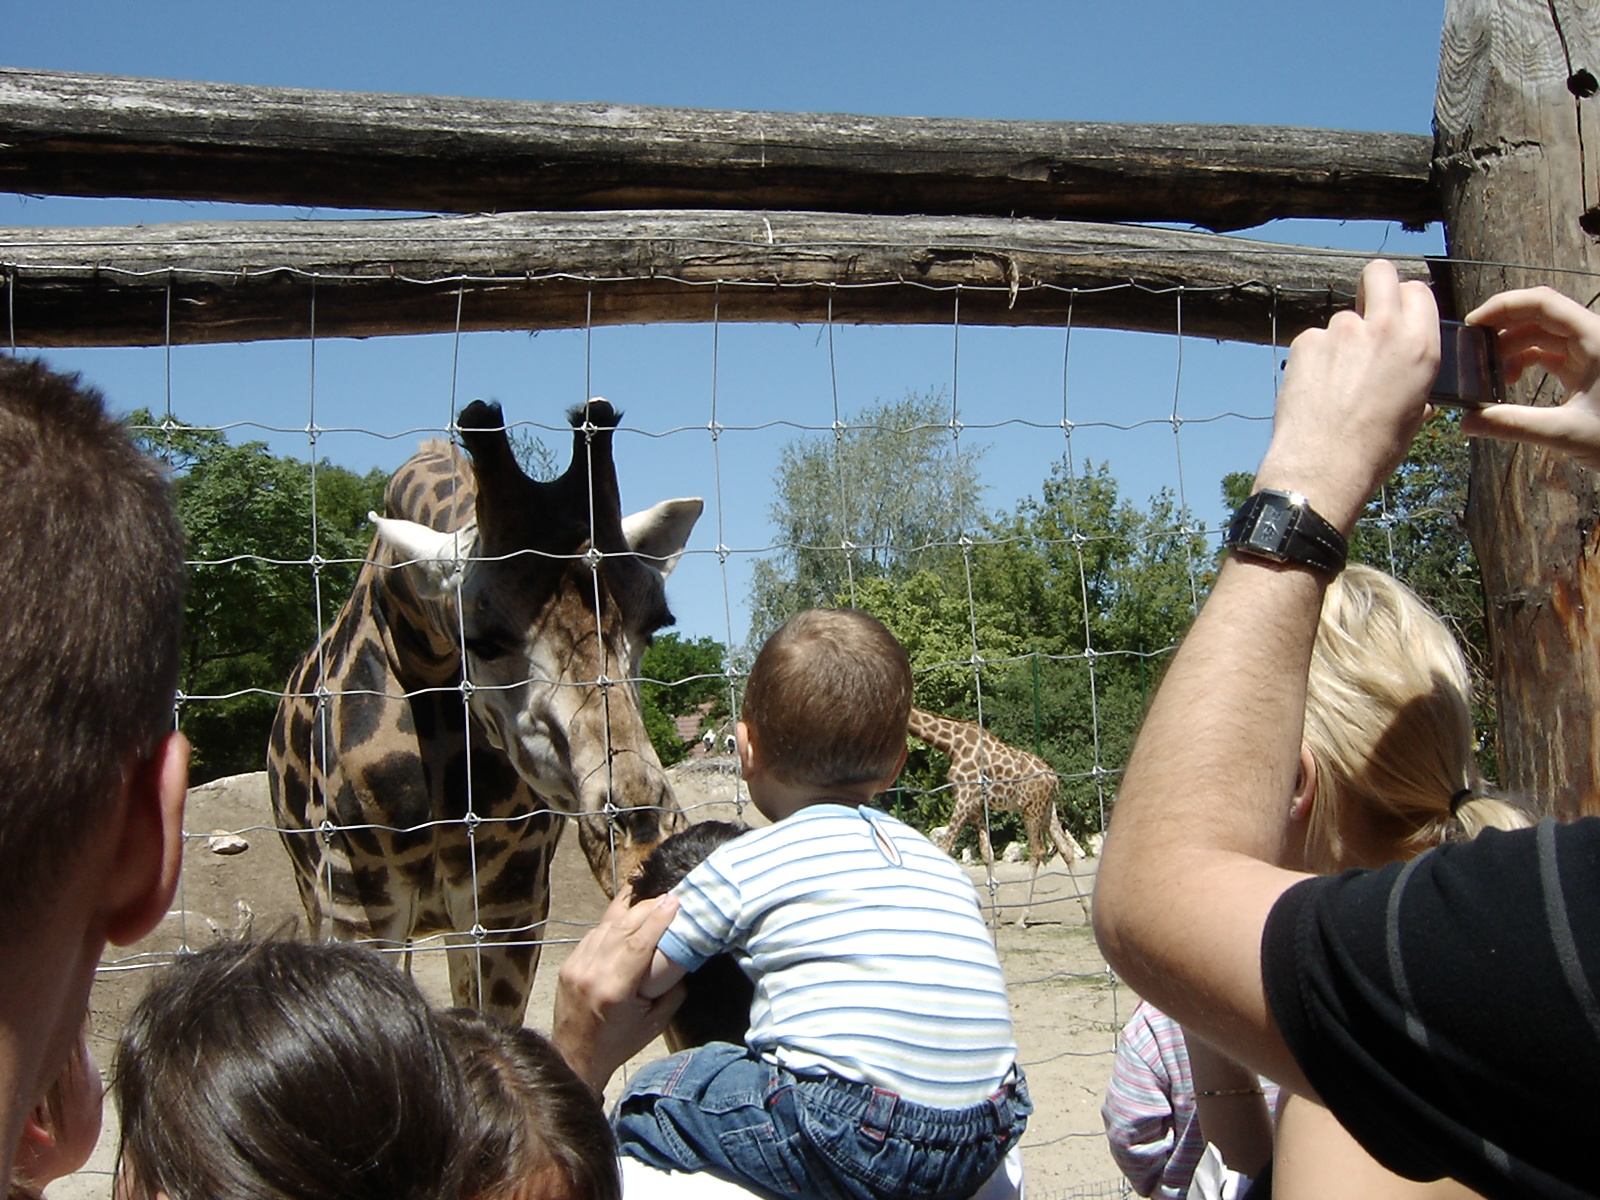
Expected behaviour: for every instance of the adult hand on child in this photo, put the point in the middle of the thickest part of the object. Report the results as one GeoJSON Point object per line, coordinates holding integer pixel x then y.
{"type": "Point", "coordinates": [600, 1019]}
{"type": "Point", "coordinates": [1539, 327]}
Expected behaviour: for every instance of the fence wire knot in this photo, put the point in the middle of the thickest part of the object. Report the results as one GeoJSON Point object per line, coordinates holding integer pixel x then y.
{"type": "Point", "coordinates": [479, 932]}
{"type": "Point", "coordinates": [592, 558]}
{"type": "Point", "coordinates": [467, 689]}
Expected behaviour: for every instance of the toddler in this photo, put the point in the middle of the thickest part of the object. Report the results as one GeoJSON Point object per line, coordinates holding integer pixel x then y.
{"type": "Point", "coordinates": [880, 1060]}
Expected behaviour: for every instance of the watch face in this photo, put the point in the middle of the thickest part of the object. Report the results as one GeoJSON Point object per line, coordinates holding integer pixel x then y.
{"type": "Point", "coordinates": [1271, 524]}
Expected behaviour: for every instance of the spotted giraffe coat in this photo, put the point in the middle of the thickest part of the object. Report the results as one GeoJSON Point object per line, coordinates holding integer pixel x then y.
{"type": "Point", "coordinates": [987, 775]}
{"type": "Point", "coordinates": [417, 801]}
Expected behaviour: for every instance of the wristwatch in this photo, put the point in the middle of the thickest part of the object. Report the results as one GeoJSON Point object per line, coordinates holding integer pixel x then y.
{"type": "Point", "coordinates": [1282, 527]}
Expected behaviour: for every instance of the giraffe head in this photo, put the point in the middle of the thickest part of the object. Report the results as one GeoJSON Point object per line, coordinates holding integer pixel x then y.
{"type": "Point", "coordinates": [558, 596]}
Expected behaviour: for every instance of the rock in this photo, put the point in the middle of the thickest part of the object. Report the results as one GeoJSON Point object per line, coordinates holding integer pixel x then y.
{"type": "Point", "coordinates": [221, 841]}
{"type": "Point", "coordinates": [1014, 853]}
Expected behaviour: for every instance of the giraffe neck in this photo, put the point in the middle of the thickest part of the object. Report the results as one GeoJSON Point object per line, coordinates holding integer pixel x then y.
{"type": "Point", "coordinates": [942, 733]}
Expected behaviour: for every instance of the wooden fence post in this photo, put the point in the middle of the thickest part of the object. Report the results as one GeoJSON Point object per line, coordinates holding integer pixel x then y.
{"type": "Point", "coordinates": [1517, 145]}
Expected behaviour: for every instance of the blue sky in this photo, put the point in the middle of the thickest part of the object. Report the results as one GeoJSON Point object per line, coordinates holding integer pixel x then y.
{"type": "Point", "coordinates": [1361, 64]}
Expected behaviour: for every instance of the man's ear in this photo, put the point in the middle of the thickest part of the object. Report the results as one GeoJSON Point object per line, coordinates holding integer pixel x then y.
{"type": "Point", "coordinates": [1305, 786]}
{"type": "Point", "coordinates": [149, 854]}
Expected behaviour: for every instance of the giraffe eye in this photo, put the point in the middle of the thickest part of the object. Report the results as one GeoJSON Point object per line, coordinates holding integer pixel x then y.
{"type": "Point", "coordinates": [486, 649]}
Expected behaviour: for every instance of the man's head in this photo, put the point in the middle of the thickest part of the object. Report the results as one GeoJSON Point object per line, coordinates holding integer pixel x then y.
{"type": "Point", "coordinates": [828, 699]}
{"type": "Point", "coordinates": [91, 588]}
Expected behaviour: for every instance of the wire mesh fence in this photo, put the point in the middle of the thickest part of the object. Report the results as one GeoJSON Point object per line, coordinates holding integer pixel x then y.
{"type": "Point", "coordinates": [1038, 520]}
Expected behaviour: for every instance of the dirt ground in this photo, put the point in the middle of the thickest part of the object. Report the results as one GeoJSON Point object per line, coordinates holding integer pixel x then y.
{"type": "Point", "coordinates": [1066, 1006]}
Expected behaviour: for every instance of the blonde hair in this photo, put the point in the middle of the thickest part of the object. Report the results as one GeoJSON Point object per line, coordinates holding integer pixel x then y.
{"type": "Point", "coordinates": [1389, 722]}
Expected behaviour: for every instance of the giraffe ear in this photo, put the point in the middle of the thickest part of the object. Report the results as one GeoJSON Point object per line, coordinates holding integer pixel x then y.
{"type": "Point", "coordinates": [659, 534]}
{"type": "Point", "coordinates": [437, 559]}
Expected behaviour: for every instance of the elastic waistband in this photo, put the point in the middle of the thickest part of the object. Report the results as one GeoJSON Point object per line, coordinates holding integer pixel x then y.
{"type": "Point", "coordinates": [878, 1110]}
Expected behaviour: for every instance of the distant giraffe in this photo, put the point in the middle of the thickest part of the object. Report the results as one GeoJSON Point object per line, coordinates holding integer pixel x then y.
{"type": "Point", "coordinates": [548, 595]}
{"type": "Point", "coordinates": [986, 771]}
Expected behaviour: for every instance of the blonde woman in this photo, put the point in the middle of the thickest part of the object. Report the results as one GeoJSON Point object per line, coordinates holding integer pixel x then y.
{"type": "Point", "coordinates": [1386, 770]}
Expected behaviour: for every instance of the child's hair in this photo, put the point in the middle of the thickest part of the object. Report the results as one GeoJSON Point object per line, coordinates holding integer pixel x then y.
{"type": "Point", "coordinates": [828, 699]}
{"type": "Point", "coordinates": [531, 1116]}
{"type": "Point", "coordinates": [716, 1007]}
{"type": "Point", "coordinates": [1389, 720]}
{"type": "Point", "coordinates": [91, 585]}
{"type": "Point", "coordinates": [281, 1069]}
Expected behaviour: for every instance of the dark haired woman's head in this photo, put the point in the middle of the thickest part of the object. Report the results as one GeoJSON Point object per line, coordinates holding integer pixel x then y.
{"type": "Point", "coordinates": [537, 1132]}
{"type": "Point", "coordinates": [280, 1069]}
{"type": "Point", "coordinates": [716, 1007]}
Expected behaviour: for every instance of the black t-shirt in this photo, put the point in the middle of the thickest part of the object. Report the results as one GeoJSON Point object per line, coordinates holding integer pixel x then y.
{"type": "Point", "coordinates": [1447, 1010]}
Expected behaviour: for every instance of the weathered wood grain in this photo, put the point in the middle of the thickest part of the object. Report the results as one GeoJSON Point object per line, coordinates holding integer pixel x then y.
{"type": "Point", "coordinates": [96, 135]}
{"type": "Point", "coordinates": [253, 280]}
{"type": "Point", "coordinates": [1519, 153]}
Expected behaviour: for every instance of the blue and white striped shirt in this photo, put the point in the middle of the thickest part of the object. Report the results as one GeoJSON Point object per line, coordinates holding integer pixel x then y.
{"type": "Point", "coordinates": [868, 952]}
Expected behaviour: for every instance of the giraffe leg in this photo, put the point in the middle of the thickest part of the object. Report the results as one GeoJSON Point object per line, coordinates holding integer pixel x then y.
{"type": "Point", "coordinates": [1027, 909]}
{"type": "Point", "coordinates": [1069, 849]}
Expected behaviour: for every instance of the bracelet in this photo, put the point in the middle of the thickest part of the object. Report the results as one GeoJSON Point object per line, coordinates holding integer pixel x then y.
{"type": "Point", "coordinates": [1245, 1091]}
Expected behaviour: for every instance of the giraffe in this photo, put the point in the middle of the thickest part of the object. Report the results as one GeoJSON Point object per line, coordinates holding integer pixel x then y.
{"type": "Point", "coordinates": [379, 739]}
{"type": "Point", "coordinates": [986, 774]}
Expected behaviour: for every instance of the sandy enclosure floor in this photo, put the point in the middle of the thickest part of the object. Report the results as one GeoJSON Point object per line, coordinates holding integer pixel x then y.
{"type": "Point", "coordinates": [1067, 1008]}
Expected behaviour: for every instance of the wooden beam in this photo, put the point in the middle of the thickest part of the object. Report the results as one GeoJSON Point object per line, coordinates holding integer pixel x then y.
{"type": "Point", "coordinates": [254, 280]}
{"type": "Point", "coordinates": [1521, 154]}
{"type": "Point", "coordinates": [100, 135]}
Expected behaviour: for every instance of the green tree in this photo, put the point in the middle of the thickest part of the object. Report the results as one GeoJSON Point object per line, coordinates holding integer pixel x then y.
{"type": "Point", "coordinates": [888, 493]}
{"type": "Point", "coordinates": [259, 591]}
{"type": "Point", "coordinates": [677, 677]}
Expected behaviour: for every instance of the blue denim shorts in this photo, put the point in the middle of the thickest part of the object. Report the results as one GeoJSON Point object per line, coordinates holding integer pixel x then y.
{"type": "Point", "coordinates": [718, 1108]}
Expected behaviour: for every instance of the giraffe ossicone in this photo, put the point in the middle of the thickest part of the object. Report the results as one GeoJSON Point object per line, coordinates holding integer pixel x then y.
{"type": "Point", "coordinates": [477, 692]}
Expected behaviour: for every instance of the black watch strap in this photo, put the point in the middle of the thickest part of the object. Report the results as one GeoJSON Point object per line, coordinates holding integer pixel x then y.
{"type": "Point", "coordinates": [1282, 527]}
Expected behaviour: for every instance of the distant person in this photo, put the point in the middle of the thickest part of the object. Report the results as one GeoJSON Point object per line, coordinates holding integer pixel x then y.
{"type": "Point", "coordinates": [1387, 769]}
{"type": "Point", "coordinates": [1443, 1009]}
{"type": "Point", "coordinates": [537, 1132]}
{"type": "Point", "coordinates": [880, 1059]}
{"type": "Point", "coordinates": [91, 823]}
{"type": "Point", "coordinates": [292, 1070]}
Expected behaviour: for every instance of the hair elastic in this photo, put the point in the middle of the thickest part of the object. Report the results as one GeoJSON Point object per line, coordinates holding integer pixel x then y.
{"type": "Point", "coordinates": [1458, 799]}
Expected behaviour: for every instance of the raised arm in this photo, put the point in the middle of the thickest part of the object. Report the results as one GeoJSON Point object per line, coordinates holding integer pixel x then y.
{"type": "Point", "coordinates": [1187, 880]}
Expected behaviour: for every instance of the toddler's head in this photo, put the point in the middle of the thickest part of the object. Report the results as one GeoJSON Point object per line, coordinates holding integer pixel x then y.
{"type": "Point", "coordinates": [282, 1069]}
{"type": "Point", "coordinates": [828, 699]}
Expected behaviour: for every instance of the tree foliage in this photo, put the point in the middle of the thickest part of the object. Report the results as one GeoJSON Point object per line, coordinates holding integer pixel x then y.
{"type": "Point", "coordinates": [1046, 621]}
{"type": "Point", "coordinates": [888, 493]}
{"type": "Point", "coordinates": [678, 677]}
{"type": "Point", "coordinates": [256, 598]}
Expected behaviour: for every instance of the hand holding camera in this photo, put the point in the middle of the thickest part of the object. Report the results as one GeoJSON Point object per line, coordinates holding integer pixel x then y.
{"type": "Point", "coordinates": [1539, 327]}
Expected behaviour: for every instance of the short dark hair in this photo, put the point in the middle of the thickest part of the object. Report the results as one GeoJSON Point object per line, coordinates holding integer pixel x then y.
{"type": "Point", "coordinates": [828, 699]}
{"type": "Point", "coordinates": [281, 1068]}
{"type": "Point", "coordinates": [530, 1114]}
{"type": "Point", "coordinates": [91, 585]}
{"type": "Point", "coordinates": [716, 1006]}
